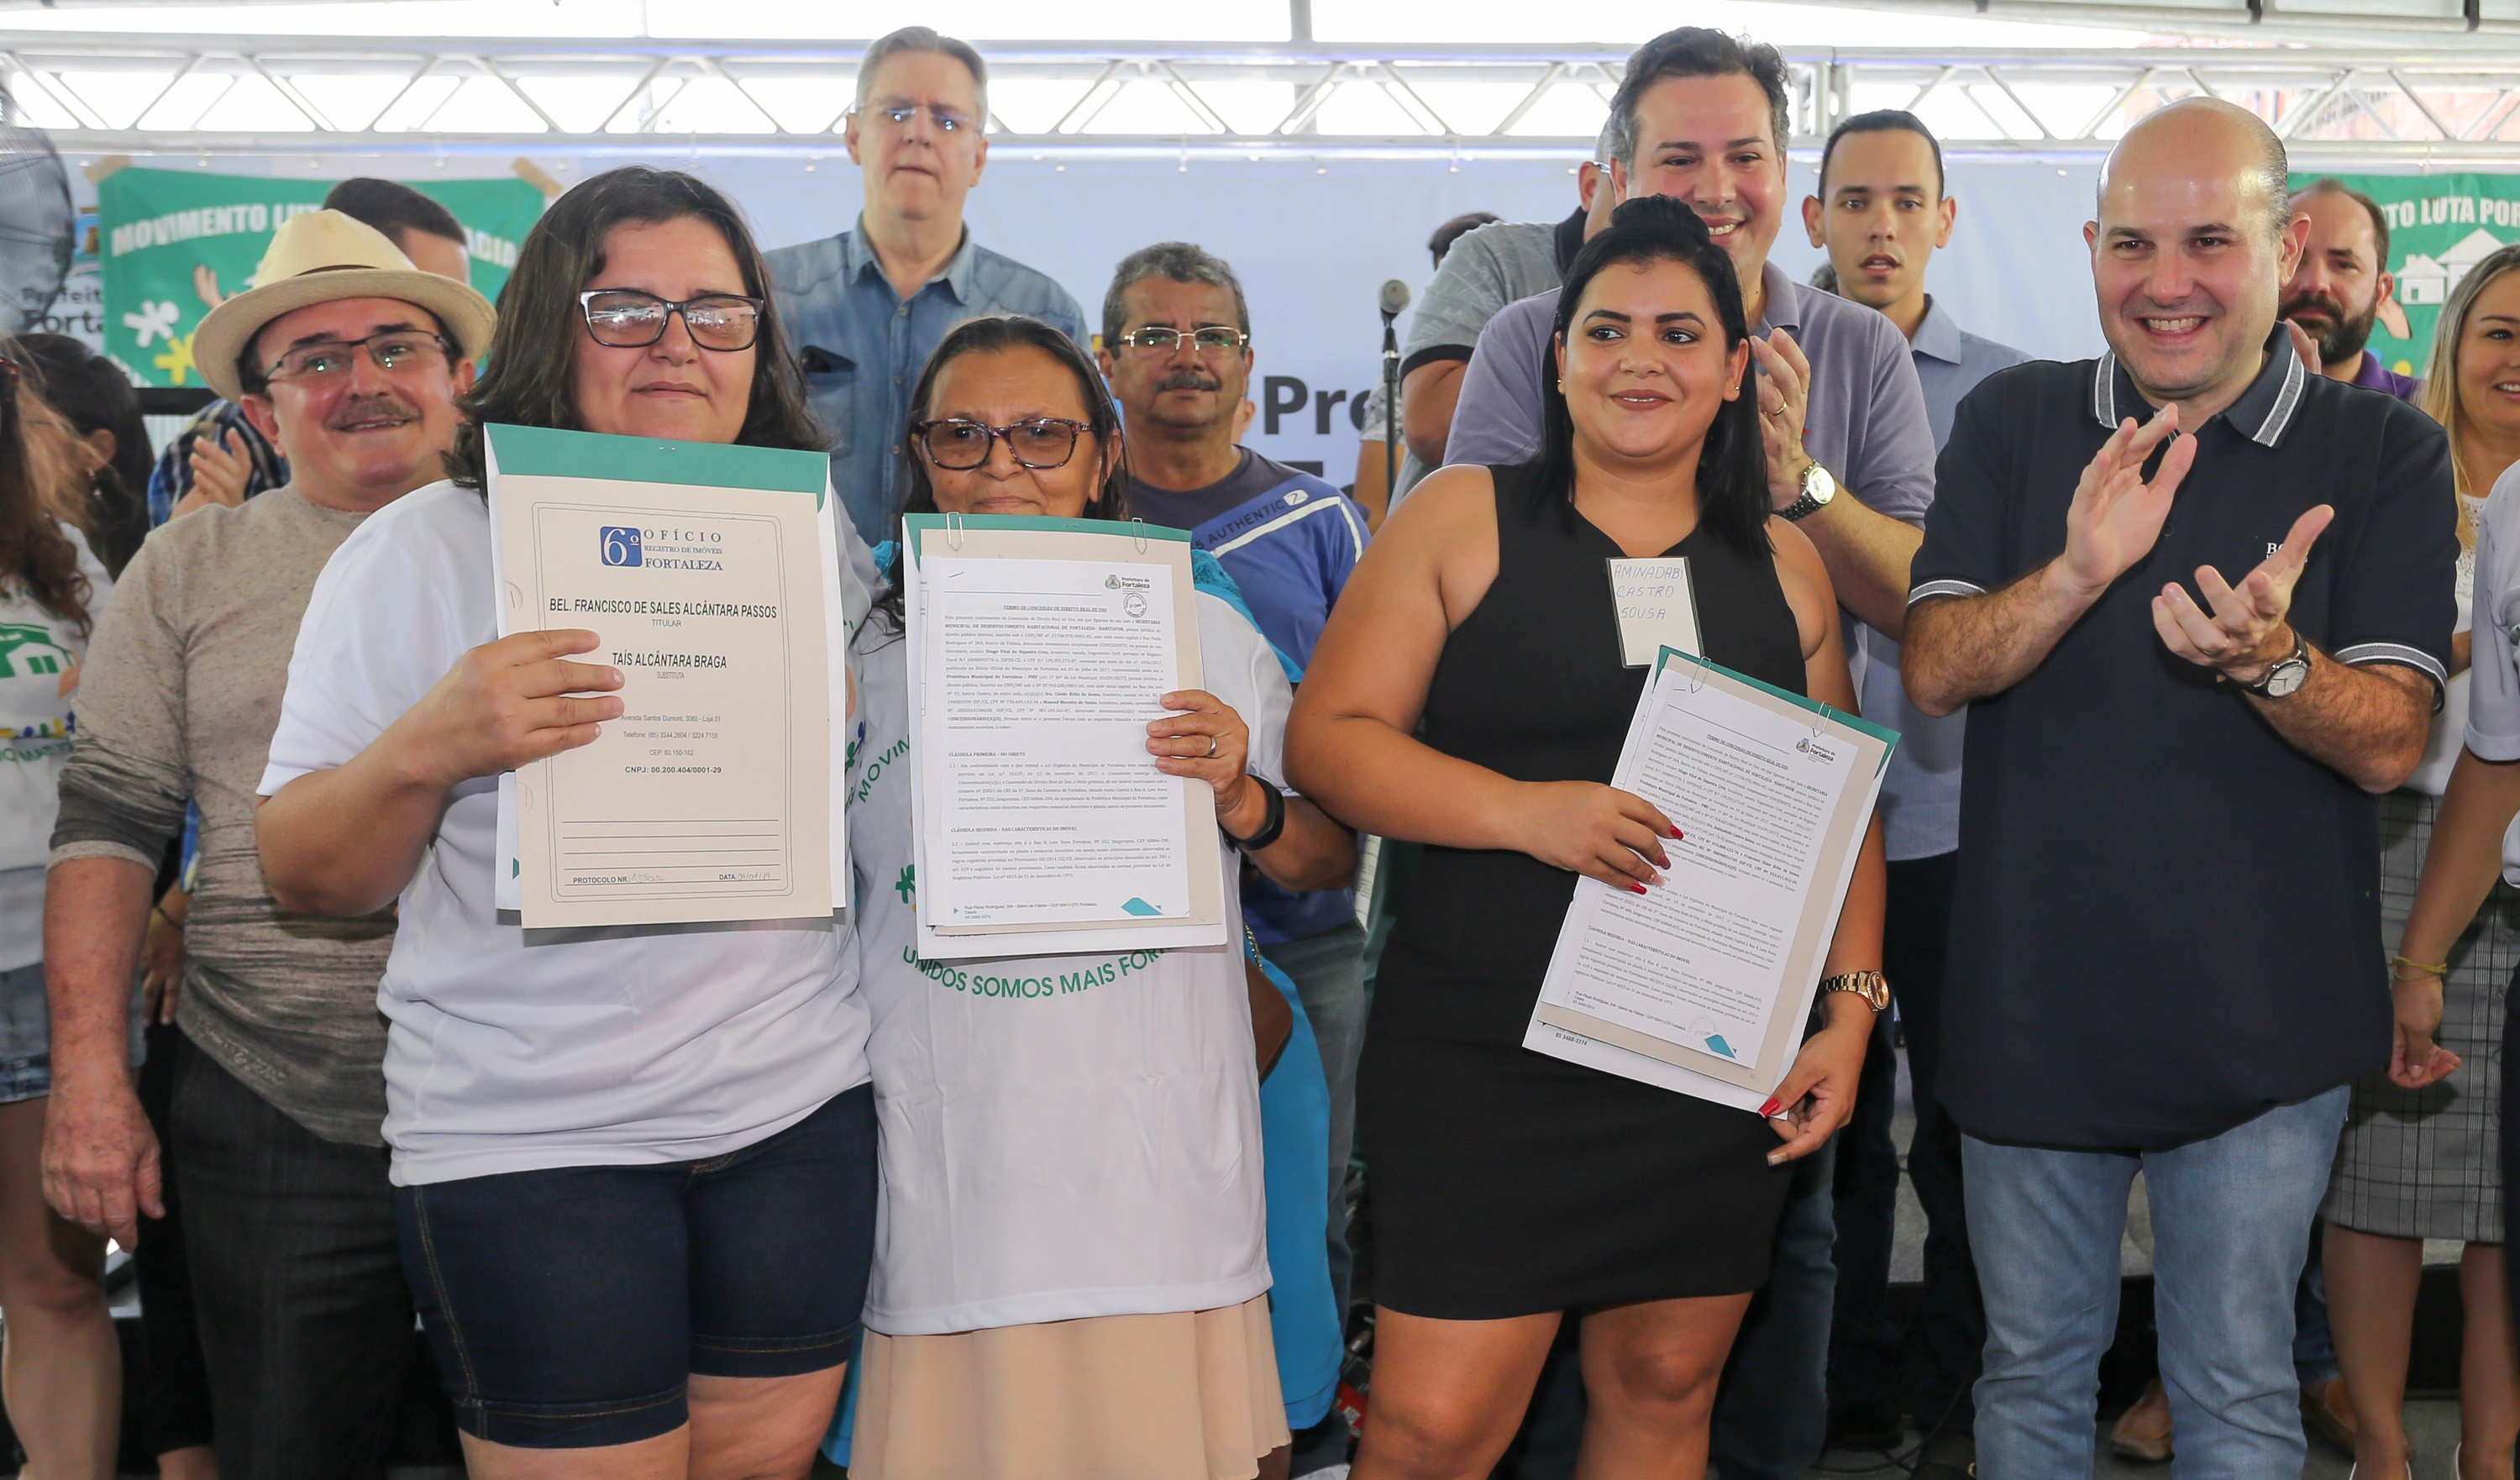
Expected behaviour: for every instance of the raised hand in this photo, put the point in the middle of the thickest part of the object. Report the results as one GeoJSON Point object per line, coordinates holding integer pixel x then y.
{"type": "Point", "coordinates": [1785, 402]}
{"type": "Point", "coordinates": [220, 471]}
{"type": "Point", "coordinates": [2244, 633]}
{"type": "Point", "coordinates": [2116, 516]}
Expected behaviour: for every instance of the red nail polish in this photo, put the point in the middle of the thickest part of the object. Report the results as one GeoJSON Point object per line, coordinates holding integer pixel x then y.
{"type": "Point", "coordinates": [1635, 888]}
{"type": "Point", "coordinates": [1674, 834]}
{"type": "Point", "coordinates": [1767, 1112]}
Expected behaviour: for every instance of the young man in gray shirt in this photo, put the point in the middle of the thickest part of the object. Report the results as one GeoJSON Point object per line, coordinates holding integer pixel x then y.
{"type": "Point", "coordinates": [350, 359]}
{"type": "Point", "coordinates": [1881, 212]}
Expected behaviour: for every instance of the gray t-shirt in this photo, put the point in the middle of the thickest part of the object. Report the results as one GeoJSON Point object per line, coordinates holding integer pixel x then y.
{"type": "Point", "coordinates": [178, 703]}
{"type": "Point", "coordinates": [1485, 270]}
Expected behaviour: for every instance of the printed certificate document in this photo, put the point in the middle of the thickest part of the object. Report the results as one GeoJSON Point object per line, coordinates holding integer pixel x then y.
{"type": "Point", "coordinates": [710, 572]}
{"type": "Point", "coordinates": [1038, 651]}
{"type": "Point", "coordinates": [1709, 978]}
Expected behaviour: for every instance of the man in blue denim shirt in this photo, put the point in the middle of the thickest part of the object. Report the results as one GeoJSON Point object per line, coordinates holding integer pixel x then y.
{"type": "Point", "coordinates": [867, 307]}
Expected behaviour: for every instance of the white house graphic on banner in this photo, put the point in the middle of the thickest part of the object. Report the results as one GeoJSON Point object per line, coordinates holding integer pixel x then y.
{"type": "Point", "coordinates": [2423, 280]}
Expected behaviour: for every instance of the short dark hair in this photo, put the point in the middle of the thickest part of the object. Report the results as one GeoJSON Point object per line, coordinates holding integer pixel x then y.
{"type": "Point", "coordinates": [1175, 262]}
{"type": "Point", "coordinates": [1883, 120]}
{"type": "Point", "coordinates": [2329, 185]}
{"type": "Point", "coordinates": [1697, 51]}
{"type": "Point", "coordinates": [1733, 463]}
{"type": "Point", "coordinates": [528, 380]}
{"type": "Point", "coordinates": [1455, 229]}
{"type": "Point", "coordinates": [393, 210]}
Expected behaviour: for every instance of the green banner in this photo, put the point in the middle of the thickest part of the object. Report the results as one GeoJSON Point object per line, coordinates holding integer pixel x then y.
{"type": "Point", "coordinates": [173, 243]}
{"type": "Point", "coordinates": [2439, 227]}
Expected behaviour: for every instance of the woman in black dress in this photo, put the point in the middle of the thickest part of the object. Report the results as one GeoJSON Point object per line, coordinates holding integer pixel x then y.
{"type": "Point", "coordinates": [1469, 693]}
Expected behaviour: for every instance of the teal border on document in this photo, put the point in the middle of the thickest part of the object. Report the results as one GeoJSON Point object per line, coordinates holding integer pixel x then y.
{"type": "Point", "coordinates": [1856, 722]}
{"type": "Point", "coordinates": [543, 452]}
{"type": "Point", "coordinates": [918, 524]}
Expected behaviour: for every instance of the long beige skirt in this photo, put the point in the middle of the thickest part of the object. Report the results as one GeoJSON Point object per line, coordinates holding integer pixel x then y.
{"type": "Point", "coordinates": [1187, 1395]}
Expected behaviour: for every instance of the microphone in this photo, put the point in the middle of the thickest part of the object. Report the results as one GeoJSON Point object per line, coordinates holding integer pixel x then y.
{"type": "Point", "coordinates": [1394, 297]}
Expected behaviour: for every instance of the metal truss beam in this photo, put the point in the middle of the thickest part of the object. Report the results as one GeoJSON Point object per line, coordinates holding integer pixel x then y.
{"type": "Point", "coordinates": [228, 95]}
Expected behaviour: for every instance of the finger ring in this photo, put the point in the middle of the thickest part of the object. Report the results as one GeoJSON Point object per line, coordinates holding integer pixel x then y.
{"type": "Point", "coordinates": [1211, 749]}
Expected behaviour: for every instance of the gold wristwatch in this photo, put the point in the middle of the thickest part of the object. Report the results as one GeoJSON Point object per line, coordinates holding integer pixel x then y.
{"type": "Point", "coordinates": [1871, 986]}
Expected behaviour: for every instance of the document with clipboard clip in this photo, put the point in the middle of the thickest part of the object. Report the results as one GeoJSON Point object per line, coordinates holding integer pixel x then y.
{"type": "Point", "coordinates": [1703, 984]}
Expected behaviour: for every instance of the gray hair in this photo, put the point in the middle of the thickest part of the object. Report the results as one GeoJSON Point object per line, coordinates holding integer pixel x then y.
{"type": "Point", "coordinates": [922, 38]}
{"type": "Point", "coordinates": [1175, 261]}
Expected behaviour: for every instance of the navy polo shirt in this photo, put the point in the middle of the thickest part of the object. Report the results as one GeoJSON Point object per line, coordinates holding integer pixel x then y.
{"type": "Point", "coordinates": [2167, 919]}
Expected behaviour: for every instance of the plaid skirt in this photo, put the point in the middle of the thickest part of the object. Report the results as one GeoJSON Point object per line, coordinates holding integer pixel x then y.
{"type": "Point", "coordinates": [2427, 1163]}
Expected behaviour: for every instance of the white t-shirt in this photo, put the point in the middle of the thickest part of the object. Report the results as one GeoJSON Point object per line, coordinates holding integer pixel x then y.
{"type": "Point", "coordinates": [1063, 1135]}
{"type": "Point", "coordinates": [2494, 671]}
{"type": "Point", "coordinates": [2449, 727]}
{"type": "Point", "coordinates": [584, 1048]}
{"type": "Point", "coordinates": [40, 653]}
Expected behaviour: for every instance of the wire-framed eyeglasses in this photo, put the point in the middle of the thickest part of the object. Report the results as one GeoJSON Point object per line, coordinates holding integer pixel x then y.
{"type": "Point", "coordinates": [392, 350]}
{"type": "Point", "coordinates": [899, 115]}
{"type": "Point", "coordinates": [625, 318]}
{"type": "Point", "coordinates": [959, 444]}
{"type": "Point", "coordinates": [1206, 338]}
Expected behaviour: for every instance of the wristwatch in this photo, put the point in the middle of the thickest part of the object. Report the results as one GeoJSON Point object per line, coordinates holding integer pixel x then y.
{"type": "Point", "coordinates": [1817, 489]}
{"type": "Point", "coordinates": [1272, 820]}
{"type": "Point", "coordinates": [1871, 986]}
{"type": "Point", "coordinates": [2287, 674]}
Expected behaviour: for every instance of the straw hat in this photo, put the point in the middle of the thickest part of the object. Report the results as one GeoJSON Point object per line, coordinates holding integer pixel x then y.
{"type": "Point", "coordinates": [319, 257]}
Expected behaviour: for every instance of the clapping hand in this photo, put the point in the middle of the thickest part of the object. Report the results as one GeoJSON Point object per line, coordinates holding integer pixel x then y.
{"type": "Point", "coordinates": [2244, 634]}
{"type": "Point", "coordinates": [1784, 403]}
{"type": "Point", "coordinates": [2116, 515]}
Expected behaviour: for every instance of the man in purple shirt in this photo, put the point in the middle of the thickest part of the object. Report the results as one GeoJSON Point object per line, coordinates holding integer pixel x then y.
{"type": "Point", "coordinates": [1703, 116]}
{"type": "Point", "coordinates": [2343, 285]}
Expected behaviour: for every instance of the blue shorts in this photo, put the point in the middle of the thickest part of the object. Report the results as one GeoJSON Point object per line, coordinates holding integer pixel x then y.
{"type": "Point", "coordinates": [569, 1308]}
{"type": "Point", "coordinates": [26, 1034]}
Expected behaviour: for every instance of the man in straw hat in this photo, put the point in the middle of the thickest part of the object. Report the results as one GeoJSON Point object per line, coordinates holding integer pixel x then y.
{"type": "Point", "coordinates": [350, 359]}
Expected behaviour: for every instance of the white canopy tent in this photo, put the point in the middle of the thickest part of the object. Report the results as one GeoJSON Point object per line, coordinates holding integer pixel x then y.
{"type": "Point", "coordinates": [1314, 144]}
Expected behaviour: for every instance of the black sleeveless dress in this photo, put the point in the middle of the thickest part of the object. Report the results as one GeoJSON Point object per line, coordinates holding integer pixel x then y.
{"type": "Point", "coordinates": [1506, 1182]}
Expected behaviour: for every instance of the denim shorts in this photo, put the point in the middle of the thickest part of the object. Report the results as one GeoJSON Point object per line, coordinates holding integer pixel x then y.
{"type": "Point", "coordinates": [569, 1308]}
{"type": "Point", "coordinates": [26, 1034]}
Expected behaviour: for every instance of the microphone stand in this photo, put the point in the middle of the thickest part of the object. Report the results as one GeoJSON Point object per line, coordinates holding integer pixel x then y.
{"type": "Point", "coordinates": [1390, 408]}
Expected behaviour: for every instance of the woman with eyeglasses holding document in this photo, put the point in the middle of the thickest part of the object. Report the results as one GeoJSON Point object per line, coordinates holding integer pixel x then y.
{"type": "Point", "coordinates": [1471, 692]}
{"type": "Point", "coordinates": [1071, 1280]}
{"type": "Point", "coordinates": [634, 1166]}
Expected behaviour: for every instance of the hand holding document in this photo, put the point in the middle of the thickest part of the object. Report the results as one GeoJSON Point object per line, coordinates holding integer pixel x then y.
{"type": "Point", "coordinates": [1703, 984]}
{"type": "Point", "coordinates": [1038, 652]}
{"type": "Point", "coordinates": [710, 574]}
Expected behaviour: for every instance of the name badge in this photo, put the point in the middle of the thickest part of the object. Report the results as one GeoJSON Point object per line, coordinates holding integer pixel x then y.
{"type": "Point", "coordinates": [1655, 607]}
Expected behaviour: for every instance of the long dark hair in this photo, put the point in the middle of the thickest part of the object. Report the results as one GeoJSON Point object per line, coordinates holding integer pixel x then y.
{"type": "Point", "coordinates": [1013, 331]}
{"type": "Point", "coordinates": [1733, 465]}
{"type": "Point", "coordinates": [93, 396]}
{"type": "Point", "coordinates": [36, 556]}
{"type": "Point", "coordinates": [528, 380]}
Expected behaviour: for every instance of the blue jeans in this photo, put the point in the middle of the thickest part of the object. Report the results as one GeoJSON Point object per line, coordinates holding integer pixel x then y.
{"type": "Point", "coordinates": [1329, 973]}
{"type": "Point", "coordinates": [2231, 1226]}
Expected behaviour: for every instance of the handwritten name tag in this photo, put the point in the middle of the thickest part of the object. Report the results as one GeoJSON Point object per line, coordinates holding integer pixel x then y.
{"type": "Point", "coordinates": [1655, 608]}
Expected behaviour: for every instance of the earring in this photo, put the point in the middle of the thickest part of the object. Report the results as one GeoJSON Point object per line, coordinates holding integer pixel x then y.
{"type": "Point", "coordinates": [1562, 387]}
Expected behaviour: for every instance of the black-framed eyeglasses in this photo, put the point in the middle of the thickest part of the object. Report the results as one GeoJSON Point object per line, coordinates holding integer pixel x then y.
{"type": "Point", "coordinates": [1206, 338]}
{"type": "Point", "coordinates": [392, 350]}
{"type": "Point", "coordinates": [625, 318]}
{"type": "Point", "coordinates": [959, 444]}
{"type": "Point", "coordinates": [899, 115]}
